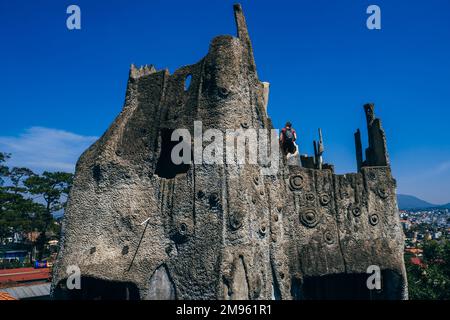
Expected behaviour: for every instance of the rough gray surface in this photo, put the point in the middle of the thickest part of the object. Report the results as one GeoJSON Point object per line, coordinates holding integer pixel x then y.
{"type": "Point", "coordinates": [215, 231]}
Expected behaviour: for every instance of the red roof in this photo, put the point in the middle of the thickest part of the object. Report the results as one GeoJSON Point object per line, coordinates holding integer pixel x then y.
{"type": "Point", "coordinates": [414, 250]}
{"type": "Point", "coordinates": [24, 275]}
{"type": "Point", "coordinates": [417, 262]}
{"type": "Point", "coordinates": [6, 296]}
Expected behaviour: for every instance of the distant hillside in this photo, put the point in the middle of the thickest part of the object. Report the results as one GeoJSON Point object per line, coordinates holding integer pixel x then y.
{"type": "Point", "coordinates": [447, 206]}
{"type": "Point", "coordinates": [411, 202]}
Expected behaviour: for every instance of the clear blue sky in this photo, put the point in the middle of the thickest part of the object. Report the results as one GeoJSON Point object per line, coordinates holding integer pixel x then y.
{"type": "Point", "coordinates": [61, 89]}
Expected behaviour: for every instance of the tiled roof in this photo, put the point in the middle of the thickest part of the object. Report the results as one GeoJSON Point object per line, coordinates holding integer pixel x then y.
{"type": "Point", "coordinates": [414, 250]}
{"type": "Point", "coordinates": [24, 274]}
{"type": "Point", "coordinates": [6, 296]}
{"type": "Point", "coordinates": [25, 292]}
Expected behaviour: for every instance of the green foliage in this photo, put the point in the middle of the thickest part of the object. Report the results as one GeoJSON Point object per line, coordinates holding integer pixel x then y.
{"type": "Point", "coordinates": [17, 177]}
{"type": "Point", "coordinates": [28, 201]}
{"type": "Point", "coordinates": [4, 170]}
{"type": "Point", "coordinates": [52, 186]}
{"type": "Point", "coordinates": [19, 214]}
{"type": "Point", "coordinates": [431, 281]}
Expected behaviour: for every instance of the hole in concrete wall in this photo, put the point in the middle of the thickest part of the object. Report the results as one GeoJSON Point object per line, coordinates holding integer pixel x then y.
{"type": "Point", "coordinates": [187, 82]}
{"type": "Point", "coordinates": [200, 194]}
{"type": "Point", "coordinates": [97, 289]}
{"type": "Point", "coordinates": [276, 292]}
{"type": "Point", "coordinates": [97, 173]}
{"type": "Point", "coordinates": [345, 286]}
{"type": "Point", "coordinates": [239, 285]}
{"type": "Point", "coordinates": [165, 168]}
{"type": "Point", "coordinates": [296, 285]}
{"type": "Point", "coordinates": [213, 200]}
{"type": "Point", "coordinates": [161, 286]}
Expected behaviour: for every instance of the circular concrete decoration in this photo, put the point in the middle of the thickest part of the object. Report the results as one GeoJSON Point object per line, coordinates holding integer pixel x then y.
{"type": "Point", "coordinates": [262, 230]}
{"type": "Point", "coordinates": [297, 182]}
{"type": "Point", "coordinates": [200, 194]}
{"type": "Point", "coordinates": [236, 221]}
{"type": "Point", "coordinates": [223, 92]}
{"type": "Point", "coordinates": [310, 197]}
{"type": "Point", "coordinates": [324, 199]}
{"type": "Point", "coordinates": [328, 237]}
{"type": "Point", "coordinates": [309, 218]}
{"type": "Point", "coordinates": [383, 192]}
{"type": "Point", "coordinates": [373, 219]}
{"type": "Point", "coordinates": [372, 175]}
{"type": "Point", "coordinates": [213, 200]}
{"type": "Point", "coordinates": [180, 233]}
{"type": "Point", "coordinates": [356, 211]}
{"type": "Point", "coordinates": [245, 125]}
{"type": "Point", "coordinates": [183, 229]}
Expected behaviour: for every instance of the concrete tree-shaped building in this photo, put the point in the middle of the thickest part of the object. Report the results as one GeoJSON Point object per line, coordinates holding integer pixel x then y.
{"type": "Point", "coordinates": [216, 231]}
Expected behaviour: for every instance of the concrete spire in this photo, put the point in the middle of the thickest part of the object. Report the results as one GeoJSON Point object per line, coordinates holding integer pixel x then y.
{"type": "Point", "coordinates": [243, 35]}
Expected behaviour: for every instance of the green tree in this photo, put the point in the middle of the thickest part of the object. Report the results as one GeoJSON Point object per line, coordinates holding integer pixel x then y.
{"type": "Point", "coordinates": [18, 211]}
{"type": "Point", "coordinates": [4, 170]}
{"type": "Point", "coordinates": [28, 202]}
{"type": "Point", "coordinates": [433, 250]}
{"type": "Point", "coordinates": [53, 188]}
{"type": "Point", "coordinates": [19, 214]}
{"type": "Point", "coordinates": [5, 229]}
{"type": "Point", "coordinates": [431, 281]}
{"type": "Point", "coordinates": [18, 176]}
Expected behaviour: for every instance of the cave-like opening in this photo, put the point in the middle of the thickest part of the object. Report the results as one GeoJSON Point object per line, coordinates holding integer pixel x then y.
{"type": "Point", "coordinates": [97, 289]}
{"type": "Point", "coordinates": [349, 286]}
{"type": "Point", "coordinates": [165, 168]}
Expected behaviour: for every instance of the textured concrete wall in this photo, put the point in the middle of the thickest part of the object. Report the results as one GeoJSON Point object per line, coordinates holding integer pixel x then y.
{"type": "Point", "coordinates": [219, 231]}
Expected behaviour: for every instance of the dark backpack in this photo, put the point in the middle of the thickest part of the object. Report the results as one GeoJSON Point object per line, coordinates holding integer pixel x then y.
{"type": "Point", "coordinates": [288, 135]}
